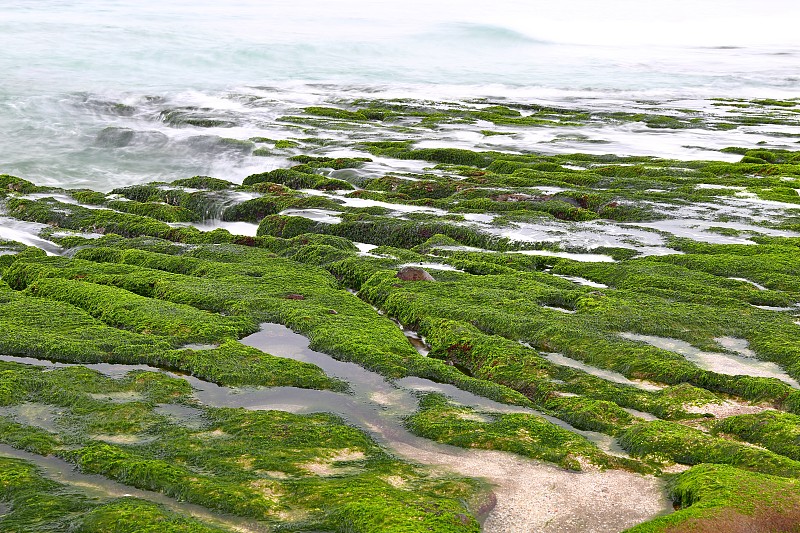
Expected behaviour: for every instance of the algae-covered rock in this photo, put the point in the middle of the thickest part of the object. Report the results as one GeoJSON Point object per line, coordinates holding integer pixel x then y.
{"type": "Point", "coordinates": [115, 137]}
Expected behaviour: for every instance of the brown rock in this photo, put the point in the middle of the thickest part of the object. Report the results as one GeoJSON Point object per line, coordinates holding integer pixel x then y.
{"type": "Point", "coordinates": [488, 505]}
{"type": "Point", "coordinates": [411, 273]}
{"type": "Point", "coordinates": [295, 297]}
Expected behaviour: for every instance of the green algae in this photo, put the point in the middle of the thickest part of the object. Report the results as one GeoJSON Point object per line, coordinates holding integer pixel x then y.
{"type": "Point", "coordinates": [523, 434]}
{"type": "Point", "coordinates": [774, 430]}
{"type": "Point", "coordinates": [39, 504]}
{"type": "Point", "coordinates": [489, 302]}
{"type": "Point", "coordinates": [194, 116]}
{"type": "Point", "coordinates": [714, 496]}
{"type": "Point", "coordinates": [681, 444]}
{"type": "Point", "coordinates": [261, 291]}
{"type": "Point", "coordinates": [204, 182]}
{"type": "Point", "coordinates": [268, 465]}
{"type": "Point", "coordinates": [296, 179]}
{"type": "Point", "coordinates": [79, 218]}
{"type": "Point", "coordinates": [56, 330]}
{"type": "Point", "coordinates": [377, 230]}
{"type": "Point", "coordinates": [125, 310]}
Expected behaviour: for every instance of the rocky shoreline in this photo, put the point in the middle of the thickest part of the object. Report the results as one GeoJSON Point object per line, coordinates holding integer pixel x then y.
{"type": "Point", "coordinates": [595, 337]}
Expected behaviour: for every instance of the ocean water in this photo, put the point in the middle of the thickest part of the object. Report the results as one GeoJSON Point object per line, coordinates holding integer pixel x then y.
{"type": "Point", "coordinates": [67, 64]}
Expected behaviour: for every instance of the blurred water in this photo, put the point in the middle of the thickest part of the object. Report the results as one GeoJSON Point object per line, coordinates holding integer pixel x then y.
{"type": "Point", "coordinates": [66, 63]}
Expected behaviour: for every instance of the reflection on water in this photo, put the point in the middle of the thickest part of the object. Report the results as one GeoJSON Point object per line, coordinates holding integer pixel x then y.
{"type": "Point", "coordinates": [431, 266]}
{"type": "Point", "coordinates": [608, 375]}
{"type": "Point", "coordinates": [248, 229]}
{"type": "Point", "coordinates": [722, 363]}
{"type": "Point", "coordinates": [417, 341]}
{"type": "Point", "coordinates": [753, 283]}
{"type": "Point", "coordinates": [34, 414]}
{"type": "Point", "coordinates": [317, 215]}
{"type": "Point", "coordinates": [394, 402]}
{"type": "Point", "coordinates": [641, 414]}
{"type": "Point", "coordinates": [183, 415]}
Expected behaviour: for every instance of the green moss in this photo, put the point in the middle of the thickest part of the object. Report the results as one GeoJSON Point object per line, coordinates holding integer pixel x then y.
{"type": "Point", "coordinates": [718, 496]}
{"type": "Point", "coordinates": [511, 305]}
{"type": "Point", "coordinates": [336, 163]}
{"type": "Point", "coordinates": [267, 465]}
{"type": "Point", "coordinates": [776, 431]}
{"type": "Point", "coordinates": [333, 112]}
{"type": "Point", "coordinates": [156, 210]}
{"type": "Point", "coordinates": [14, 184]}
{"type": "Point", "coordinates": [285, 226]}
{"type": "Point", "coordinates": [500, 360]}
{"type": "Point", "coordinates": [236, 486]}
{"type": "Point", "coordinates": [389, 231]}
{"type": "Point", "coordinates": [256, 209]}
{"type": "Point", "coordinates": [123, 309]}
{"type": "Point", "coordinates": [86, 196]}
{"type": "Point", "coordinates": [97, 220]}
{"type": "Point", "coordinates": [285, 143]}
{"type": "Point", "coordinates": [234, 364]}
{"type": "Point", "coordinates": [27, 438]}
{"type": "Point", "coordinates": [524, 434]}
{"type": "Point", "coordinates": [38, 504]}
{"type": "Point", "coordinates": [262, 152]}
{"type": "Point", "coordinates": [284, 176]}
{"type": "Point", "coordinates": [146, 287]}
{"type": "Point", "coordinates": [204, 182]}
{"type": "Point", "coordinates": [57, 330]}
{"type": "Point", "coordinates": [194, 116]}
{"type": "Point", "coordinates": [134, 516]}
{"type": "Point", "coordinates": [773, 102]}
{"type": "Point", "coordinates": [682, 444]}
{"type": "Point", "coordinates": [451, 156]}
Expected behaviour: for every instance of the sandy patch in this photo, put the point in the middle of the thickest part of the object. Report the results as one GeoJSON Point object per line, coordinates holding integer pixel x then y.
{"type": "Point", "coordinates": [327, 466]}
{"type": "Point", "coordinates": [727, 408]}
{"type": "Point", "coordinates": [277, 474]}
{"type": "Point", "coordinates": [122, 439]}
{"type": "Point", "coordinates": [395, 481]}
{"type": "Point", "coordinates": [245, 462]}
{"type": "Point", "coordinates": [216, 434]}
{"type": "Point", "coordinates": [561, 394]}
{"type": "Point", "coordinates": [675, 469]}
{"type": "Point", "coordinates": [268, 488]}
{"type": "Point", "coordinates": [118, 397]}
{"type": "Point", "coordinates": [474, 417]}
{"type": "Point", "coordinates": [34, 414]}
{"type": "Point", "coordinates": [537, 497]}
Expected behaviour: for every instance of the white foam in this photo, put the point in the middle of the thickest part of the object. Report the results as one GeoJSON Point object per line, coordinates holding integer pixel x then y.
{"type": "Point", "coordinates": [317, 215]}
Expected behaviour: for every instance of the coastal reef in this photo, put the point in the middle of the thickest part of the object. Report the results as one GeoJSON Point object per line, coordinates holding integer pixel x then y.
{"type": "Point", "coordinates": [364, 337]}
